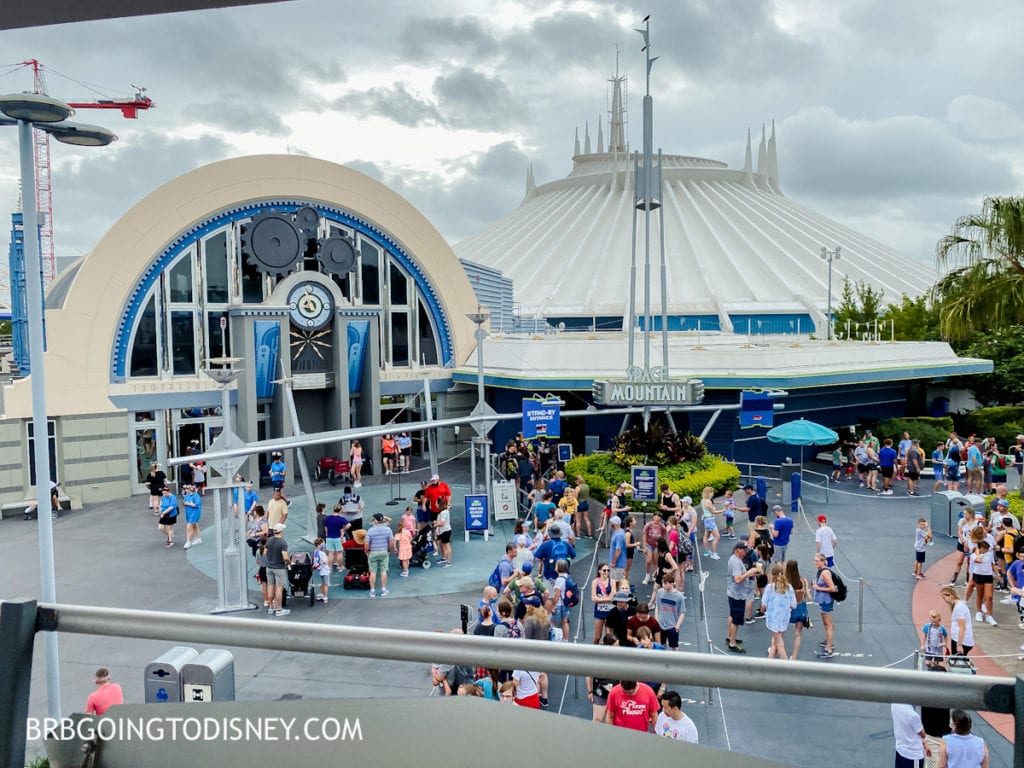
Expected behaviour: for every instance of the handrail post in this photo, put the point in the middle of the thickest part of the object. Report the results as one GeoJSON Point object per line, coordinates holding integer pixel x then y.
{"type": "Point", "coordinates": [17, 638]}
{"type": "Point", "coordinates": [860, 604]}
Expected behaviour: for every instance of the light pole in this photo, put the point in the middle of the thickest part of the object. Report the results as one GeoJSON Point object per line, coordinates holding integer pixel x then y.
{"type": "Point", "coordinates": [829, 256]}
{"type": "Point", "coordinates": [478, 318]}
{"type": "Point", "coordinates": [28, 111]}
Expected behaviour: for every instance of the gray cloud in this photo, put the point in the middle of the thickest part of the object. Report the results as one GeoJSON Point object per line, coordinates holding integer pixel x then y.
{"type": "Point", "coordinates": [396, 103]}
{"type": "Point", "coordinates": [468, 98]}
{"type": "Point", "coordinates": [237, 116]}
{"type": "Point", "coordinates": [427, 39]}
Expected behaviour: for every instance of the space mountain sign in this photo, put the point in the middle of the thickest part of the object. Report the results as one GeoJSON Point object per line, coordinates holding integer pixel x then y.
{"type": "Point", "coordinates": [648, 386]}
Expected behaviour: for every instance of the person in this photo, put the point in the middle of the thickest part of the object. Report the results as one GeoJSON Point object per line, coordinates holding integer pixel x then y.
{"type": "Point", "coordinates": [404, 549]}
{"type": "Point", "coordinates": [199, 477]}
{"type": "Point", "coordinates": [436, 494]}
{"type": "Point", "coordinates": [669, 609]}
{"type": "Point", "coordinates": [106, 695]}
{"type": "Point", "coordinates": [602, 588]}
{"type": "Point", "coordinates": [443, 529]}
{"type": "Point", "coordinates": [256, 529]}
{"type": "Point", "coordinates": [961, 748]}
{"type": "Point", "coordinates": [507, 692]}
{"type": "Point", "coordinates": [909, 735]}
{"type": "Point", "coordinates": [975, 462]}
{"type": "Point", "coordinates": [389, 453]}
{"type": "Point", "coordinates": [887, 460]}
{"type": "Point", "coordinates": [798, 616]}
{"type": "Point", "coordinates": [739, 589]}
{"type": "Point", "coordinates": [261, 569]}
{"type": "Point", "coordinates": [922, 538]}
{"type": "Point", "coordinates": [583, 500]}
{"type": "Point", "coordinates": [485, 626]}
{"type": "Point", "coordinates": [355, 462]}
{"type": "Point", "coordinates": [278, 470]}
{"type": "Point", "coordinates": [168, 515]}
{"type": "Point", "coordinates": [558, 486]}
{"type": "Point", "coordinates": [335, 526]}
{"type": "Point", "coordinates": [754, 503]}
{"type": "Point", "coordinates": [542, 511]}
{"type": "Point", "coordinates": [983, 576]}
{"type": "Point", "coordinates": [669, 503]}
{"type": "Point", "coordinates": [954, 455]}
{"type": "Point", "coordinates": [404, 444]}
{"type": "Point", "coordinates": [913, 465]}
{"type": "Point", "coordinates": [527, 688]}
{"type": "Point", "coordinates": [569, 506]}
{"type": "Point", "coordinates": [823, 588]}
{"type": "Point", "coordinates": [598, 688]}
{"type": "Point", "coordinates": [1017, 451]}
{"type": "Point", "coordinates": [901, 456]}
{"type": "Point", "coordinates": [651, 534]}
{"type": "Point", "coordinates": [559, 610]}
{"type": "Point", "coordinates": [617, 546]}
{"type": "Point", "coordinates": [322, 568]}
{"type": "Point", "coordinates": [729, 511]}
{"type": "Point", "coordinates": [934, 643]}
{"type": "Point", "coordinates": [250, 498]}
{"type": "Point", "coordinates": [277, 509]}
{"type": "Point", "coordinates": [632, 544]}
{"type": "Point", "coordinates": [632, 705]}
{"type": "Point", "coordinates": [673, 723]}
{"type": "Point", "coordinates": [380, 543]}
{"type": "Point", "coordinates": [837, 465]}
{"type": "Point", "coordinates": [616, 621]}
{"type": "Point", "coordinates": [552, 550]}
{"type": "Point", "coordinates": [707, 515]}
{"type": "Point", "coordinates": [352, 504]}
{"type": "Point", "coordinates": [666, 564]}
{"type": "Point", "coordinates": [936, 725]}
{"type": "Point", "coordinates": [825, 541]}
{"type": "Point", "coordinates": [780, 603]}
{"type": "Point", "coordinates": [939, 466]}
{"type": "Point", "coordinates": [155, 481]}
{"type": "Point", "coordinates": [193, 504]}
{"type": "Point", "coordinates": [782, 530]}
{"type": "Point", "coordinates": [321, 516]}
{"type": "Point", "coordinates": [643, 618]}
{"type": "Point", "coordinates": [277, 575]}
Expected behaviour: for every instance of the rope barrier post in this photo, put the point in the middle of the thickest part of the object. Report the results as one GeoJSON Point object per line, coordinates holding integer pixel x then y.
{"type": "Point", "coordinates": [860, 604]}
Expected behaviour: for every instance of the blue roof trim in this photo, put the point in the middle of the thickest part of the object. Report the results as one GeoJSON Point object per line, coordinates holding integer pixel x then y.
{"type": "Point", "coordinates": [736, 382]}
{"type": "Point", "coordinates": [139, 295]}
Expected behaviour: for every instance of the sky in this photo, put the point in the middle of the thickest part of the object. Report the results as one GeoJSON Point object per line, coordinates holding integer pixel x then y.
{"type": "Point", "coordinates": [892, 118]}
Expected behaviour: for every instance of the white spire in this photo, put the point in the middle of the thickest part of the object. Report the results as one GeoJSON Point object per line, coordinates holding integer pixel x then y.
{"type": "Point", "coordinates": [586, 138]}
{"type": "Point", "coordinates": [748, 159]}
{"type": "Point", "coordinates": [617, 112]}
{"type": "Point", "coordinates": [762, 153]}
{"type": "Point", "coordinates": [773, 160]}
{"type": "Point", "coordinates": [600, 137]}
{"type": "Point", "coordinates": [576, 144]}
{"type": "Point", "coordinates": [531, 186]}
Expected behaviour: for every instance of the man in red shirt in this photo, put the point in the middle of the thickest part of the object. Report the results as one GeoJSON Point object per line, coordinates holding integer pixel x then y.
{"type": "Point", "coordinates": [106, 695]}
{"type": "Point", "coordinates": [438, 496]}
{"type": "Point", "coordinates": [632, 705]}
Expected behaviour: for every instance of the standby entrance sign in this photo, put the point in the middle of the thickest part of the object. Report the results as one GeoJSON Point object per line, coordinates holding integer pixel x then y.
{"type": "Point", "coordinates": [541, 418]}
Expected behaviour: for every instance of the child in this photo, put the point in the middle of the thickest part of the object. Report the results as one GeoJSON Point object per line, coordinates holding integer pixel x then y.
{"type": "Point", "coordinates": [837, 465]}
{"type": "Point", "coordinates": [729, 510]}
{"type": "Point", "coordinates": [669, 610]}
{"type": "Point", "coordinates": [851, 463]}
{"type": "Point", "coordinates": [321, 515]}
{"type": "Point", "coordinates": [933, 641]}
{"type": "Point", "coordinates": [405, 544]}
{"type": "Point", "coordinates": [922, 537]}
{"type": "Point", "coordinates": [780, 602]}
{"type": "Point", "coordinates": [409, 520]}
{"type": "Point", "coordinates": [261, 570]}
{"type": "Point", "coordinates": [322, 568]}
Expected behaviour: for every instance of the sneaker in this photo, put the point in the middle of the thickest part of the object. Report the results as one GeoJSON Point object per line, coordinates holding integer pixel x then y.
{"type": "Point", "coordinates": [446, 564]}
{"type": "Point", "coordinates": [271, 609]}
{"type": "Point", "coordinates": [197, 542]}
{"type": "Point", "coordinates": [758, 615]}
{"type": "Point", "coordinates": [738, 642]}
{"type": "Point", "coordinates": [1007, 601]}
{"type": "Point", "coordinates": [283, 612]}
{"type": "Point", "coordinates": [736, 649]}
{"type": "Point", "coordinates": [647, 578]}
{"type": "Point", "coordinates": [861, 485]}
{"type": "Point", "coordinates": [187, 545]}
{"type": "Point", "coordinates": [825, 653]}
{"type": "Point", "coordinates": [950, 583]}
{"type": "Point", "coordinates": [887, 493]}
{"type": "Point", "coordinates": [384, 593]}
{"type": "Point", "coordinates": [169, 544]}
{"type": "Point", "coordinates": [707, 553]}
{"type": "Point", "coordinates": [991, 621]}
{"type": "Point", "coordinates": [749, 620]}
{"type": "Point", "coordinates": [979, 616]}
{"type": "Point", "coordinates": [372, 594]}
{"type": "Point", "coordinates": [544, 702]}
{"type": "Point", "coordinates": [715, 556]}
{"type": "Point", "coordinates": [404, 574]}
{"type": "Point", "coordinates": [822, 644]}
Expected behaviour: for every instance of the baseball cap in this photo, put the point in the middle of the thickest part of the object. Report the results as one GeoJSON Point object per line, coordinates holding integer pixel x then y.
{"type": "Point", "coordinates": [622, 595]}
{"type": "Point", "coordinates": [748, 487]}
{"type": "Point", "coordinates": [524, 582]}
{"type": "Point", "coordinates": [686, 500]}
{"type": "Point", "coordinates": [777, 508]}
{"type": "Point", "coordinates": [378, 517]}
{"type": "Point", "coordinates": [867, 431]}
{"type": "Point", "coordinates": [279, 527]}
{"type": "Point", "coordinates": [1002, 503]}
{"type": "Point", "coordinates": [1020, 437]}
{"type": "Point", "coordinates": [822, 519]}
{"type": "Point", "coordinates": [554, 532]}
{"type": "Point", "coordinates": [739, 545]}
{"type": "Point", "coordinates": [527, 568]}
{"type": "Point", "coordinates": [616, 520]}
{"type": "Point", "coordinates": [435, 477]}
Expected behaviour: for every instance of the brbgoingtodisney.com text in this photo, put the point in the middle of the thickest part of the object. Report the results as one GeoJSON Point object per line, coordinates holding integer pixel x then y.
{"type": "Point", "coordinates": [170, 728]}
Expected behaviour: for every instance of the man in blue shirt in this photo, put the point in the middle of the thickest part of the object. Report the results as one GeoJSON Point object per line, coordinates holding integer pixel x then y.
{"type": "Point", "coordinates": [887, 463]}
{"type": "Point", "coordinates": [277, 472]}
{"type": "Point", "coordinates": [754, 503]}
{"type": "Point", "coordinates": [975, 460]}
{"type": "Point", "coordinates": [938, 465]}
{"type": "Point", "coordinates": [618, 550]}
{"type": "Point", "coordinates": [557, 487]}
{"type": "Point", "coordinates": [335, 525]}
{"type": "Point", "coordinates": [380, 543]}
{"type": "Point", "coordinates": [782, 529]}
{"type": "Point", "coordinates": [552, 550]}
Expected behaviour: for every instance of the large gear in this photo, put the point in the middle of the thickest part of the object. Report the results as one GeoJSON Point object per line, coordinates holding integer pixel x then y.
{"type": "Point", "coordinates": [307, 220]}
{"type": "Point", "coordinates": [272, 243]}
{"type": "Point", "coordinates": [337, 255]}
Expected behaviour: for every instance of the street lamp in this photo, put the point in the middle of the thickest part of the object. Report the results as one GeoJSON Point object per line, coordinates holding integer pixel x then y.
{"type": "Point", "coordinates": [28, 111]}
{"type": "Point", "coordinates": [829, 256]}
{"type": "Point", "coordinates": [478, 319]}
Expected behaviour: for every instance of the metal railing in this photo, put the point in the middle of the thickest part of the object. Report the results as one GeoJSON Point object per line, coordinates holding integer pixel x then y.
{"type": "Point", "coordinates": [21, 620]}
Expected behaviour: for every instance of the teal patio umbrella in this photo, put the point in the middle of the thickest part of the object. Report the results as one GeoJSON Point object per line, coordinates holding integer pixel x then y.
{"type": "Point", "coordinates": [802, 432]}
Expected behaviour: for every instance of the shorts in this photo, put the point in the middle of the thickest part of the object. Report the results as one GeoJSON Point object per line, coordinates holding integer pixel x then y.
{"type": "Point", "coordinates": [379, 561]}
{"type": "Point", "coordinates": [710, 524]}
{"type": "Point", "coordinates": [445, 537]}
{"type": "Point", "coordinates": [531, 702]}
{"type": "Point", "coordinates": [919, 557]}
{"type": "Point", "coordinates": [830, 561]}
{"type": "Point", "coordinates": [584, 506]}
{"type": "Point", "coordinates": [560, 614]}
{"type": "Point", "coordinates": [981, 578]}
{"type": "Point", "coordinates": [277, 485]}
{"type": "Point", "coordinates": [912, 475]}
{"type": "Point", "coordinates": [192, 517]}
{"type": "Point", "coordinates": [960, 547]}
{"type": "Point", "coordinates": [828, 607]}
{"type": "Point", "coordinates": [952, 474]}
{"type": "Point", "coordinates": [887, 472]}
{"type": "Point", "coordinates": [333, 545]}
{"type": "Point", "coordinates": [325, 578]}
{"type": "Point", "coordinates": [837, 467]}
{"type": "Point", "coordinates": [422, 515]}
{"type": "Point", "coordinates": [862, 468]}
{"type": "Point", "coordinates": [390, 456]}
{"type": "Point", "coordinates": [168, 519]}
{"type": "Point", "coordinates": [959, 649]}
{"type": "Point", "coordinates": [974, 474]}
{"type": "Point", "coordinates": [277, 577]}
{"type": "Point", "coordinates": [261, 574]}
{"type": "Point", "coordinates": [670, 636]}
{"type": "Point", "coordinates": [737, 611]}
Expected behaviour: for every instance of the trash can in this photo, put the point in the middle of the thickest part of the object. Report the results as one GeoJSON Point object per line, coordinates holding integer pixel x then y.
{"type": "Point", "coordinates": [786, 472]}
{"type": "Point", "coordinates": [949, 506]}
{"type": "Point", "coordinates": [162, 679]}
{"type": "Point", "coordinates": [209, 677]}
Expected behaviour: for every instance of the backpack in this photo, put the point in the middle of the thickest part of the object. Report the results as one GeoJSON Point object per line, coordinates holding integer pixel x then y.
{"type": "Point", "coordinates": [571, 598]}
{"type": "Point", "coordinates": [559, 551]}
{"type": "Point", "coordinates": [1001, 461]}
{"type": "Point", "coordinates": [840, 594]}
{"type": "Point", "coordinates": [494, 580]}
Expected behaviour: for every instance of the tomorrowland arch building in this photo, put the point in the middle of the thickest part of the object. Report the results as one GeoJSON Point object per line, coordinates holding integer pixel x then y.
{"type": "Point", "coordinates": [312, 272]}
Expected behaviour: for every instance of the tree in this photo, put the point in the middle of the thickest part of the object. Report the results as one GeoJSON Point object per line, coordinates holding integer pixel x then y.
{"type": "Point", "coordinates": [913, 319]}
{"type": "Point", "coordinates": [859, 303]}
{"type": "Point", "coordinates": [983, 260]}
{"type": "Point", "coordinates": [1005, 348]}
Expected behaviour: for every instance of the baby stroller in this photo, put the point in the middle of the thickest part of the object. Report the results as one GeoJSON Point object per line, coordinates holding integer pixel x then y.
{"type": "Point", "coordinates": [358, 574]}
{"type": "Point", "coordinates": [300, 573]}
{"type": "Point", "coordinates": [422, 547]}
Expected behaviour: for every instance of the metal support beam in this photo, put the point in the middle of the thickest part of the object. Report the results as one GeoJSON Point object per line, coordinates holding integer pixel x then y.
{"type": "Point", "coordinates": [17, 639]}
{"type": "Point", "coordinates": [710, 424]}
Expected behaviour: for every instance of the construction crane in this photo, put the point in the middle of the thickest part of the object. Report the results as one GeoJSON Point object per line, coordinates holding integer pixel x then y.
{"type": "Point", "coordinates": [41, 153]}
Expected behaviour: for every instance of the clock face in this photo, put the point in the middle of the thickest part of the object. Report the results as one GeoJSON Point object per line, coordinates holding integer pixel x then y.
{"type": "Point", "coordinates": [310, 306]}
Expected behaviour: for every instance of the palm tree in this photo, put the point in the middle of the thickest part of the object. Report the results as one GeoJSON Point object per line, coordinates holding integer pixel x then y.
{"type": "Point", "coordinates": [983, 262]}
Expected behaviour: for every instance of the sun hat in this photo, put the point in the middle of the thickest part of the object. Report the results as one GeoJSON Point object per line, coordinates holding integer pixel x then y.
{"type": "Point", "coordinates": [359, 536]}
{"type": "Point", "coordinates": [622, 596]}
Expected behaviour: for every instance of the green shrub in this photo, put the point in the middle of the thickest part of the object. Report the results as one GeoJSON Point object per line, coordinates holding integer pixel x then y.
{"type": "Point", "coordinates": [1016, 504]}
{"type": "Point", "coordinates": [929, 430]}
{"type": "Point", "coordinates": [1003, 422]}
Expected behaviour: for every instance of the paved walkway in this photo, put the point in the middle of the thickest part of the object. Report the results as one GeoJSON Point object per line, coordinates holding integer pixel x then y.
{"type": "Point", "coordinates": [112, 555]}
